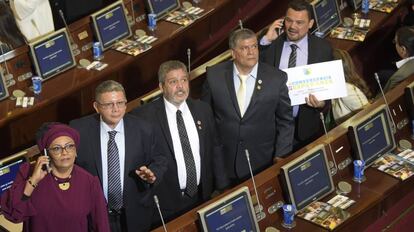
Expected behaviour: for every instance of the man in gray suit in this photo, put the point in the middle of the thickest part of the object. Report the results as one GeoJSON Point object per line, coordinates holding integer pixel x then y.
{"type": "Point", "coordinates": [251, 106]}
{"type": "Point", "coordinates": [404, 44]}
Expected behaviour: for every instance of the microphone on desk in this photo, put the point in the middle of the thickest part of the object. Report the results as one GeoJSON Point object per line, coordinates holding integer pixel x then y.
{"type": "Point", "coordinates": [343, 186]}
{"type": "Point", "coordinates": [72, 42]}
{"type": "Point", "coordinates": [189, 60]}
{"type": "Point", "coordinates": [393, 127]}
{"type": "Point", "coordinates": [260, 207]}
{"type": "Point", "coordinates": [132, 11]}
{"type": "Point", "coordinates": [334, 169]}
{"type": "Point", "coordinates": [157, 203]}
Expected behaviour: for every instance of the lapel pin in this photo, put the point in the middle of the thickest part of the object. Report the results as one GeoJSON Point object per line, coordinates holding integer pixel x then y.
{"type": "Point", "coordinates": [259, 81]}
{"type": "Point", "coordinates": [259, 87]}
{"type": "Point", "coordinates": [199, 124]}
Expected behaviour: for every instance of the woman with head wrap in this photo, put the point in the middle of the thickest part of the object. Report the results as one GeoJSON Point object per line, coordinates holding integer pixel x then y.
{"type": "Point", "coordinates": [56, 194]}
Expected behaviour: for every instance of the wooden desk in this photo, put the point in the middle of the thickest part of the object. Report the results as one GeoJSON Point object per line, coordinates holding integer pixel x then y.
{"type": "Point", "coordinates": [373, 197]}
{"type": "Point", "coordinates": [70, 94]}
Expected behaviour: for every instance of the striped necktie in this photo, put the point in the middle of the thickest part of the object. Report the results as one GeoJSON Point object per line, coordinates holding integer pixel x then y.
{"type": "Point", "coordinates": [115, 200]}
{"type": "Point", "coordinates": [292, 63]}
{"type": "Point", "coordinates": [292, 57]}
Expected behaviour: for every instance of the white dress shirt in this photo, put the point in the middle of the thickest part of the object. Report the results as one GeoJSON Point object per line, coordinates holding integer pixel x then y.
{"type": "Point", "coordinates": [301, 53]}
{"type": "Point", "coordinates": [192, 133]}
{"type": "Point", "coordinates": [403, 61]}
{"type": "Point", "coordinates": [250, 83]}
{"type": "Point", "coordinates": [120, 143]}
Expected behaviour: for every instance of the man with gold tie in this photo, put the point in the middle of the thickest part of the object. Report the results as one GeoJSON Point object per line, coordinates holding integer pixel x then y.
{"type": "Point", "coordinates": [251, 106]}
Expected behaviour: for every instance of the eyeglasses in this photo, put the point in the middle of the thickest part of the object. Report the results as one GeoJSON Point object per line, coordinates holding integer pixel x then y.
{"type": "Point", "coordinates": [57, 150]}
{"type": "Point", "coordinates": [111, 105]}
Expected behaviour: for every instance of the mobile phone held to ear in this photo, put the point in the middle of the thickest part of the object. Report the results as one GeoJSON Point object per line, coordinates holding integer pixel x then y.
{"type": "Point", "coordinates": [45, 167]}
{"type": "Point", "coordinates": [281, 29]}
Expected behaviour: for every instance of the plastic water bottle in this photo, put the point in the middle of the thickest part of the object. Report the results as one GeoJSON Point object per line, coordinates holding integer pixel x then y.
{"type": "Point", "coordinates": [365, 6]}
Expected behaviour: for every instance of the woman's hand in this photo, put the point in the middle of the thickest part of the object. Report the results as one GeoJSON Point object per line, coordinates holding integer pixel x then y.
{"type": "Point", "coordinates": [39, 172]}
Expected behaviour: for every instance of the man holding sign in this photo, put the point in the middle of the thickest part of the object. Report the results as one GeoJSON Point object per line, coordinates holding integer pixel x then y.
{"type": "Point", "coordinates": [296, 47]}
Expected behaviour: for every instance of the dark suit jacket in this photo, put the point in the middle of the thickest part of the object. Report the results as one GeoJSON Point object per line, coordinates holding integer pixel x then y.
{"type": "Point", "coordinates": [168, 191]}
{"type": "Point", "coordinates": [140, 149]}
{"type": "Point", "coordinates": [308, 124]}
{"type": "Point", "coordinates": [266, 129]}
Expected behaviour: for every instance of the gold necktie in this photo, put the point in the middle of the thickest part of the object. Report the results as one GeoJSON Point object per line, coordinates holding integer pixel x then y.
{"type": "Point", "coordinates": [241, 93]}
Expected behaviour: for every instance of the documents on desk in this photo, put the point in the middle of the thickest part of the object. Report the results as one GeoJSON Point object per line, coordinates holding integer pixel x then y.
{"type": "Point", "coordinates": [324, 214]}
{"type": "Point", "coordinates": [386, 6]}
{"type": "Point", "coordinates": [97, 65]}
{"type": "Point", "coordinates": [324, 80]}
{"type": "Point", "coordinates": [400, 166]}
{"type": "Point", "coordinates": [185, 17]}
{"type": "Point", "coordinates": [352, 34]}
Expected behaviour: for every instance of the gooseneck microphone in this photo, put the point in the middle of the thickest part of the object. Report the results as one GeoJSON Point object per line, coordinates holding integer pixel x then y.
{"type": "Point", "coordinates": [132, 11]}
{"type": "Point", "coordinates": [189, 60]}
{"type": "Point", "coordinates": [335, 169]}
{"type": "Point", "coordinates": [240, 24]}
{"type": "Point", "coordinates": [393, 126]}
{"type": "Point", "coordinates": [254, 182]}
{"type": "Point", "coordinates": [157, 203]}
{"type": "Point", "coordinates": [62, 16]}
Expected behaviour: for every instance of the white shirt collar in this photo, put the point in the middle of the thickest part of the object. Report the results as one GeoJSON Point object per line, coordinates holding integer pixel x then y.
{"type": "Point", "coordinates": [403, 61]}
{"type": "Point", "coordinates": [173, 109]}
{"type": "Point", "coordinates": [301, 43]}
{"type": "Point", "coordinates": [252, 73]}
{"type": "Point", "coordinates": [118, 128]}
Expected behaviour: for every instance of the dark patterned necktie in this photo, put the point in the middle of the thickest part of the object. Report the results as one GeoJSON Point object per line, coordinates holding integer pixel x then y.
{"type": "Point", "coordinates": [292, 57]}
{"type": "Point", "coordinates": [114, 177]}
{"type": "Point", "coordinates": [292, 63]}
{"type": "Point", "coordinates": [191, 183]}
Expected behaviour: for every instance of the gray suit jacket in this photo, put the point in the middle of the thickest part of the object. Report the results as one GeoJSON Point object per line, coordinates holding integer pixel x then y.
{"type": "Point", "coordinates": [399, 76]}
{"type": "Point", "coordinates": [265, 130]}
